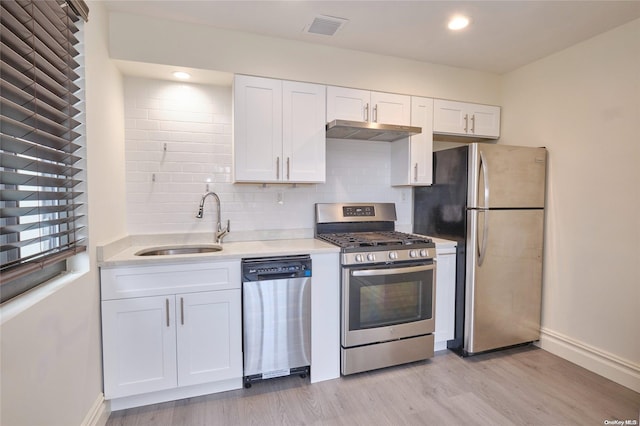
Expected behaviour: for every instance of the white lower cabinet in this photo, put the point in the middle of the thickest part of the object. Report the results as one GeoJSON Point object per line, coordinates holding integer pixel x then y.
{"type": "Point", "coordinates": [445, 293]}
{"type": "Point", "coordinates": [159, 347]}
{"type": "Point", "coordinates": [139, 345]}
{"type": "Point", "coordinates": [208, 336]}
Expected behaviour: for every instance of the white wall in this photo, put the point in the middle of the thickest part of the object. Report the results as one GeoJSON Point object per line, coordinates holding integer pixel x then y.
{"type": "Point", "coordinates": [143, 39]}
{"type": "Point", "coordinates": [51, 371]}
{"type": "Point", "coordinates": [583, 104]}
{"type": "Point", "coordinates": [193, 122]}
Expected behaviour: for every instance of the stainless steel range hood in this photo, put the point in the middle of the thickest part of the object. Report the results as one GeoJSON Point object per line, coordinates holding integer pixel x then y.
{"type": "Point", "coordinates": [362, 130]}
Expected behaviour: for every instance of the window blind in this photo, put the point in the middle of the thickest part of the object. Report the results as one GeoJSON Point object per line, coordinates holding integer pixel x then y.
{"type": "Point", "coordinates": [41, 145]}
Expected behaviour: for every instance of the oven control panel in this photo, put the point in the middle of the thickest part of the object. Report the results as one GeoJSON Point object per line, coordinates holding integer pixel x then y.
{"type": "Point", "coordinates": [357, 211]}
{"type": "Point", "coordinates": [388, 256]}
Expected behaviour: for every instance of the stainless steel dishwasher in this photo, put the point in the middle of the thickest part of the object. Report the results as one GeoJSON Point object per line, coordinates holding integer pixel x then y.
{"type": "Point", "coordinates": [276, 317]}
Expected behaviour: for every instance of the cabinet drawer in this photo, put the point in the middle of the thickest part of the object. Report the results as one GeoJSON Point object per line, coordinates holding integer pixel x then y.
{"type": "Point", "coordinates": [141, 281]}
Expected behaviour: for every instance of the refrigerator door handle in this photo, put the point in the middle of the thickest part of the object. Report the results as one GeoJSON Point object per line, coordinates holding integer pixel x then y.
{"type": "Point", "coordinates": [482, 249]}
{"type": "Point", "coordinates": [484, 169]}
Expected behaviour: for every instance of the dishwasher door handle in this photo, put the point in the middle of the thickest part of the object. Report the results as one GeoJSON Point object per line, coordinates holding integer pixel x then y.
{"type": "Point", "coordinates": [283, 276]}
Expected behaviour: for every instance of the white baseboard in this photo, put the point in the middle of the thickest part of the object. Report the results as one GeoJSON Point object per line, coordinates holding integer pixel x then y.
{"type": "Point", "coordinates": [98, 414]}
{"type": "Point", "coordinates": [593, 359]}
{"type": "Point", "coordinates": [174, 394]}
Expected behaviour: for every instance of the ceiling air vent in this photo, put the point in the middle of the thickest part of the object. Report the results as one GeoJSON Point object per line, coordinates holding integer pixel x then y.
{"type": "Point", "coordinates": [325, 25]}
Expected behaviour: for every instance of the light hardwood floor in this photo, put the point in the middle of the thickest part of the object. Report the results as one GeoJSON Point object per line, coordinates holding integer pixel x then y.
{"type": "Point", "coordinates": [522, 386]}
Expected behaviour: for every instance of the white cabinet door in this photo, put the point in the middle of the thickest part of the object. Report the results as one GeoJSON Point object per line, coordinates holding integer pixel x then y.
{"type": "Point", "coordinates": [257, 129]}
{"type": "Point", "coordinates": [411, 158]}
{"type": "Point", "coordinates": [485, 120]}
{"type": "Point", "coordinates": [344, 103]}
{"type": "Point", "coordinates": [422, 144]}
{"type": "Point", "coordinates": [450, 117]}
{"type": "Point", "coordinates": [139, 345]}
{"type": "Point", "coordinates": [303, 138]}
{"type": "Point", "coordinates": [209, 336]}
{"type": "Point", "coordinates": [445, 296]}
{"type": "Point", "coordinates": [390, 108]}
{"type": "Point", "coordinates": [362, 105]}
{"type": "Point", "coordinates": [465, 119]}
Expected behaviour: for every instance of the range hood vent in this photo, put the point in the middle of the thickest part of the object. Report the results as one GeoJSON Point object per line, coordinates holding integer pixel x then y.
{"type": "Point", "coordinates": [362, 130]}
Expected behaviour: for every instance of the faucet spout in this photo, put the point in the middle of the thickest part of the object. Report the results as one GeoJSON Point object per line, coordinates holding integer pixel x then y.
{"type": "Point", "coordinates": [218, 232]}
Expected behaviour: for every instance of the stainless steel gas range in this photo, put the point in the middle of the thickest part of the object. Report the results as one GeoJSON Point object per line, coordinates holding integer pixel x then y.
{"type": "Point", "coordinates": [387, 286]}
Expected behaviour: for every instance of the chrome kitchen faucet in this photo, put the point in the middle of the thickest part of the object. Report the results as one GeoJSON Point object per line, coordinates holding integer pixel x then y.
{"type": "Point", "coordinates": [218, 233]}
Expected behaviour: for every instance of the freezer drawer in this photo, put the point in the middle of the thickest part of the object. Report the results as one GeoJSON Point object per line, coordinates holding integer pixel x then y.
{"type": "Point", "coordinates": [504, 278]}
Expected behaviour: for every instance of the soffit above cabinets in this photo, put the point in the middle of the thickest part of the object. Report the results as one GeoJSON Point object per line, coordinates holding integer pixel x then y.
{"type": "Point", "coordinates": [501, 37]}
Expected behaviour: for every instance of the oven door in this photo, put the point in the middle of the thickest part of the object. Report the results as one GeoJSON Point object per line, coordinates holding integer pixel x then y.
{"type": "Point", "coordinates": [387, 302]}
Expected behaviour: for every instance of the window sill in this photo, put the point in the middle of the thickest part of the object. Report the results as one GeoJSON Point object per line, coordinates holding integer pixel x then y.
{"type": "Point", "coordinates": [14, 307]}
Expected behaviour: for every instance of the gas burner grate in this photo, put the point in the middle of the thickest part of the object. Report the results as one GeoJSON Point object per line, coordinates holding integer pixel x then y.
{"type": "Point", "coordinates": [373, 239]}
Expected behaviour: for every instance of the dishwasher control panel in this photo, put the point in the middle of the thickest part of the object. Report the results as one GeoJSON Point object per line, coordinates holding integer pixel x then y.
{"type": "Point", "coordinates": [269, 268]}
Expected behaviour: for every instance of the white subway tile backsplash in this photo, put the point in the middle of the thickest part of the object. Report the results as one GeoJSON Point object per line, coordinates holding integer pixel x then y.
{"type": "Point", "coordinates": [131, 133]}
{"type": "Point", "coordinates": [194, 123]}
{"type": "Point", "coordinates": [146, 124]}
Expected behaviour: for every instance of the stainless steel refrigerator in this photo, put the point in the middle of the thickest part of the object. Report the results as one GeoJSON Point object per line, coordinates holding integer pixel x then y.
{"type": "Point", "coordinates": [490, 199]}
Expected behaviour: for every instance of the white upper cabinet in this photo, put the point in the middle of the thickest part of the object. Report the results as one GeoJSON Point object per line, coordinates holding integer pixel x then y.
{"type": "Point", "coordinates": [412, 159]}
{"type": "Point", "coordinates": [362, 105]}
{"type": "Point", "coordinates": [347, 104]}
{"type": "Point", "coordinates": [466, 119]}
{"type": "Point", "coordinates": [257, 129]}
{"type": "Point", "coordinates": [279, 131]}
{"type": "Point", "coordinates": [303, 138]}
{"type": "Point", "coordinates": [390, 108]}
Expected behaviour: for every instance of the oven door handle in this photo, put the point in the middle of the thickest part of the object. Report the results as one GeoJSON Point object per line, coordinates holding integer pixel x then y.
{"type": "Point", "coordinates": [408, 269]}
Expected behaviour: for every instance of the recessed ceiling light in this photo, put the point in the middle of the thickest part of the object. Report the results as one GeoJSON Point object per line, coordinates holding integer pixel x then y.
{"type": "Point", "coordinates": [458, 22]}
{"type": "Point", "coordinates": [182, 75]}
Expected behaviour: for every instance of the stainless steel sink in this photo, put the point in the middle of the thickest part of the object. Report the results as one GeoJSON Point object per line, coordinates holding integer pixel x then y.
{"type": "Point", "coordinates": [171, 250]}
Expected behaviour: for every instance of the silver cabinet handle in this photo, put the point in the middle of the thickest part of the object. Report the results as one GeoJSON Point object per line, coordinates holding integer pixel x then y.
{"type": "Point", "coordinates": [288, 168]}
{"type": "Point", "coordinates": [375, 113]}
{"type": "Point", "coordinates": [473, 124]}
{"type": "Point", "coordinates": [366, 112]}
{"type": "Point", "coordinates": [166, 305]}
{"type": "Point", "coordinates": [415, 173]}
{"type": "Point", "coordinates": [466, 123]}
{"type": "Point", "coordinates": [277, 168]}
{"type": "Point", "coordinates": [182, 310]}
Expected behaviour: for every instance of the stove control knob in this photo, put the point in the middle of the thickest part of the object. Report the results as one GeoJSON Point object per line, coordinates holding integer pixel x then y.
{"type": "Point", "coordinates": [393, 255]}
{"type": "Point", "coordinates": [413, 253]}
{"type": "Point", "coordinates": [371, 257]}
{"type": "Point", "coordinates": [359, 258]}
{"type": "Point", "coordinates": [423, 253]}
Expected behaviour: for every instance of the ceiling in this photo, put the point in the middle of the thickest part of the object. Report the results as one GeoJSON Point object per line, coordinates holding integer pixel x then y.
{"type": "Point", "coordinates": [502, 35]}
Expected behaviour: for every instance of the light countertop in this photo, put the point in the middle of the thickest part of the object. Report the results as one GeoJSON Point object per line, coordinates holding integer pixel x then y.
{"type": "Point", "coordinates": [442, 243]}
{"type": "Point", "coordinates": [122, 253]}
